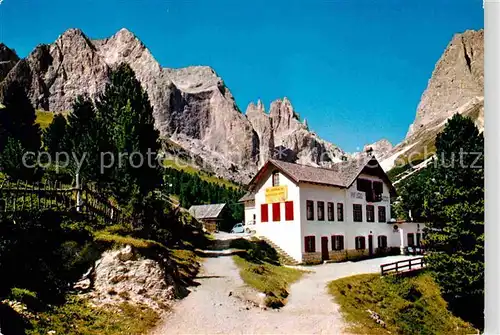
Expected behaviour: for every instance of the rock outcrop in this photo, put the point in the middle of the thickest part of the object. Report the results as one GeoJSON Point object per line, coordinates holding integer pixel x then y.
{"type": "Point", "coordinates": [262, 123]}
{"type": "Point", "coordinates": [192, 106]}
{"type": "Point", "coordinates": [124, 276]}
{"type": "Point", "coordinates": [456, 86]}
{"type": "Point", "coordinates": [8, 59]}
{"type": "Point", "coordinates": [457, 78]}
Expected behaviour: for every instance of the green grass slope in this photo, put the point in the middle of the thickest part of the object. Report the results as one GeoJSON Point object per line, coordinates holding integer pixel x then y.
{"type": "Point", "coordinates": [180, 165]}
{"type": "Point", "coordinates": [260, 268]}
{"type": "Point", "coordinates": [408, 305]}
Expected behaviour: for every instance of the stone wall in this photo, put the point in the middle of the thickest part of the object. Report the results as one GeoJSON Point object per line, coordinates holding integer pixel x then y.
{"type": "Point", "coordinates": [311, 258]}
{"type": "Point", "coordinates": [346, 255]}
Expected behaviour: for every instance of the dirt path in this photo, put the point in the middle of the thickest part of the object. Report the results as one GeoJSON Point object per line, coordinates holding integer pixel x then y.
{"type": "Point", "coordinates": [210, 309]}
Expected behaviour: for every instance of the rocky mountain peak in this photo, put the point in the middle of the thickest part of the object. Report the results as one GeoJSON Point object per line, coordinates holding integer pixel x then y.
{"type": "Point", "coordinates": [285, 119]}
{"type": "Point", "coordinates": [256, 108]}
{"type": "Point", "coordinates": [74, 41]}
{"type": "Point", "coordinates": [456, 86]}
{"type": "Point", "coordinates": [8, 59]}
{"type": "Point", "coordinates": [382, 144]}
{"type": "Point", "coordinates": [7, 54]}
{"type": "Point", "coordinates": [124, 46]}
{"type": "Point", "coordinates": [71, 33]}
{"type": "Point", "coordinates": [260, 106]}
{"type": "Point", "coordinates": [282, 129]}
{"type": "Point", "coordinates": [457, 78]}
{"type": "Point", "coordinates": [124, 39]}
{"type": "Point", "coordinates": [126, 34]}
{"type": "Point", "coordinates": [379, 149]}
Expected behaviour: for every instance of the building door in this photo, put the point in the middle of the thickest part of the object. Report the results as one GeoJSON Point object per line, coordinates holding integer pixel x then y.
{"type": "Point", "coordinates": [324, 248]}
{"type": "Point", "coordinates": [370, 244]}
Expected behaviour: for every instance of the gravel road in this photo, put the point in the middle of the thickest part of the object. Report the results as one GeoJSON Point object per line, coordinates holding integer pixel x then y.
{"type": "Point", "coordinates": [210, 309]}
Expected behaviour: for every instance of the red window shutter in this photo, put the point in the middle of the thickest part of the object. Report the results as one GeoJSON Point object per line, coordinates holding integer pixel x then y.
{"type": "Point", "coordinates": [276, 212]}
{"type": "Point", "coordinates": [264, 216]}
{"type": "Point", "coordinates": [289, 210]}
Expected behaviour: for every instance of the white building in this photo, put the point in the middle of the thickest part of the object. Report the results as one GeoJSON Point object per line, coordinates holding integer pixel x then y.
{"type": "Point", "coordinates": [316, 214]}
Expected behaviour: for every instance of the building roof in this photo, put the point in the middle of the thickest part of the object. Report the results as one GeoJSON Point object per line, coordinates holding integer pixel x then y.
{"type": "Point", "coordinates": [250, 195]}
{"type": "Point", "coordinates": [206, 211]}
{"type": "Point", "coordinates": [341, 174]}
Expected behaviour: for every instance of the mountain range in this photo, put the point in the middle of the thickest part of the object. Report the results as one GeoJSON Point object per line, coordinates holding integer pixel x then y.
{"type": "Point", "coordinates": [195, 111]}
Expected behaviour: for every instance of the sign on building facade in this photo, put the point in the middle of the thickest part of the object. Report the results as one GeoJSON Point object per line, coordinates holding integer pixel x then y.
{"type": "Point", "coordinates": [276, 194]}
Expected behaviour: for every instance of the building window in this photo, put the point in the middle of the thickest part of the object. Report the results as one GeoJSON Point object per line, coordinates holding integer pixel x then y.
{"type": "Point", "coordinates": [364, 185]}
{"type": "Point", "coordinates": [310, 243]}
{"type": "Point", "coordinates": [381, 214]}
{"type": "Point", "coordinates": [310, 209]}
{"type": "Point", "coordinates": [276, 179]}
{"type": "Point", "coordinates": [321, 211]}
{"type": "Point", "coordinates": [340, 212]}
{"type": "Point", "coordinates": [276, 212]}
{"type": "Point", "coordinates": [378, 189]}
{"type": "Point", "coordinates": [370, 213]}
{"type": "Point", "coordinates": [382, 241]}
{"type": "Point", "coordinates": [337, 242]}
{"type": "Point", "coordinates": [264, 215]}
{"type": "Point", "coordinates": [360, 243]}
{"type": "Point", "coordinates": [411, 240]}
{"type": "Point", "coordinates": [289, 210]}
{"type": "Point", "coordinates": [373, 190]}
{"type": "Point", "coordinates": [330, 211]}
{"type": "Point", "coordinates": [357, 213]}
{"type": "Point", "coordinates": [419, 237]}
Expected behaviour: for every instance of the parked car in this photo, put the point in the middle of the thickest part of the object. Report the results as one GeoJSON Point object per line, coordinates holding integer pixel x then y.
{"type": "Point", "coordinates": [238, 228]}
{"type": "Point", "coordinates": [413, 250]}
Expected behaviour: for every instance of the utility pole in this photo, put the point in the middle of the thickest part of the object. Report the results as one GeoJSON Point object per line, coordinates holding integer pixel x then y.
{"type": "Point", "coordinates": [401, 238]}
{"type": "Point", "coordinates": [78, 194]}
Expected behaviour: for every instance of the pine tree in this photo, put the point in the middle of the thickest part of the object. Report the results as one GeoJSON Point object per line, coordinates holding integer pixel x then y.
{"type": "Point", "coordinates": [54, 135]}
{"type": "Point", "coordinates": [18, 132]}
{"type": "Point", "coordinates": [17, 119]}
{"type": "Point", "coordinates": [84, 139]}
{"type": "Point", "coordinates": [124, 109]}
{"type": "Point", "coordinates": [454, 208]}
{"type": "Point", "coordinates": [15, 164]}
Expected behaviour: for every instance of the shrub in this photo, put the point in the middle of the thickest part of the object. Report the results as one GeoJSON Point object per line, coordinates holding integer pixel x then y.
{"type": "Point", "coordinates": [43, 252]}
{"type": "Point", "coordinates": [258, 251]}
{"type": "Point", "coordinates": [27, 297]}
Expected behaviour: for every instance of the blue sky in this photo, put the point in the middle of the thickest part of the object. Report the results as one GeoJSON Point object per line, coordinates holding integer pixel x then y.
{"type": "Point", "coordinates": [355, 69]}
